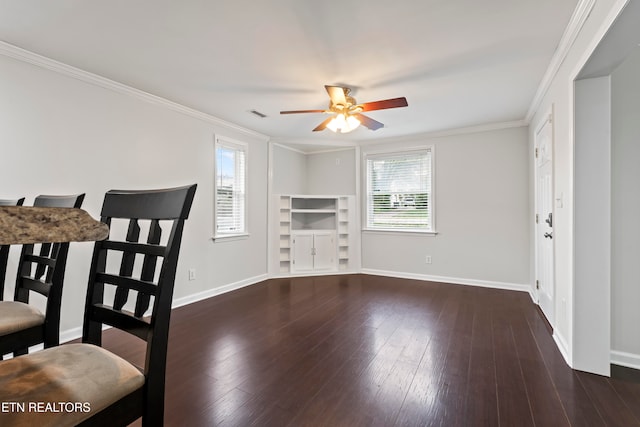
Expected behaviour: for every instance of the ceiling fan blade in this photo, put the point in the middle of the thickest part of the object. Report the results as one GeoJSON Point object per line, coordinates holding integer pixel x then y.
{"type": "Point", "coordinates": [323, 125]}
{"type": "Point", "coordinates": [383, 105]}
{"type": "Point", "coordinates": [301, 111]}
{"type": "Point", "coordinates": [368, 122]}
{"type": "Point", "coordinates": [336, 93]}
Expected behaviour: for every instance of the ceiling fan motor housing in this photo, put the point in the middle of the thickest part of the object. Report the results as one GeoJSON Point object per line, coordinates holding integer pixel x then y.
{"type": "Point", "coordinates": [342, 104]}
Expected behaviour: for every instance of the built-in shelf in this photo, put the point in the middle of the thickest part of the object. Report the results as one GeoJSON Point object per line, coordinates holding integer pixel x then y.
{"type": "Point", "coordinates": [313, 233]}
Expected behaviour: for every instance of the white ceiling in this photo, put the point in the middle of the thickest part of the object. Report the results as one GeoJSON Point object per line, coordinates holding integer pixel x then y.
{"type": "Point", "coordinates": [459, 63]}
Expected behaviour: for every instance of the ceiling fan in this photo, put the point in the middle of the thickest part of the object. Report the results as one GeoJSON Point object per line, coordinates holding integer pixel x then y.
{"type": "Point", "coordinates": [347, 113]}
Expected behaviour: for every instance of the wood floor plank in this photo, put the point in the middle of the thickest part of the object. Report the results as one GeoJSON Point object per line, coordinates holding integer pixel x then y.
{"type": "Point", "coordinates": [613, 410]}
{"type": "Point", "coordinates": [323, 406]}
{"type": "Point", "coordinates": [513, 401]}
{"type": "Point", "coordinates": [422, 404]}
{"type": "Point", "coordinates": [625, 382]}
{"type": "Point", "coordinates": [481, 401]}
{"type": "Point", "coordinates": [543, 396]}
{"type": "Point", "coordinates": [578, 406]}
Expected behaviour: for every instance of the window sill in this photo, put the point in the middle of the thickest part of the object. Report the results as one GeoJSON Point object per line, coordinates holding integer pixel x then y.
{"type": "Point", "coordinates": [399, 232]}
{"type": "Point", "coordinates": [230, 237]}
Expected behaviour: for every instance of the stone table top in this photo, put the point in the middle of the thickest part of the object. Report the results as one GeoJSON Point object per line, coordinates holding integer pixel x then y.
{"type": "Point", "coordinates": [27, 224]}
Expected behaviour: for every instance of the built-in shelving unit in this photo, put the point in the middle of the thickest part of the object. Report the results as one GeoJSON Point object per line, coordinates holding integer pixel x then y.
{"type": "Point", "coordinates": [284, 232]}
{"type": "Point", "coordinates": [313, 233]}
{"type": "Point", "coordinates": [343, 233]}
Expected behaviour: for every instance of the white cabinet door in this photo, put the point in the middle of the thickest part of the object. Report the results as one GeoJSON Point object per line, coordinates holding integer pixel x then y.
{"type": "Point", "coordinates": [324, 251]}
{"type": "Point", "coordinates": [313, 251]}
{"type": "Point", "coordinates": [302, 246]}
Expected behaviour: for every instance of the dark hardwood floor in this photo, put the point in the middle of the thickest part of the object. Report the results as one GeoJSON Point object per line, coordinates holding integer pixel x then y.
{"type": "Point", "coordinates": [373, 351]}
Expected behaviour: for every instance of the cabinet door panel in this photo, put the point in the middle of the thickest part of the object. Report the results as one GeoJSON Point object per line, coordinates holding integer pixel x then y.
{"type": "Point", "coordinates": [325, 251]}
{"type": "Point", "coordinates": [302, 252]}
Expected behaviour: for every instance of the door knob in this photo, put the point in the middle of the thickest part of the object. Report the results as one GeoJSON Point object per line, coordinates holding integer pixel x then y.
{"type": "Point", "coordinates": [549, 220]}
{"type": "Point", "coordinates": [548, 235]}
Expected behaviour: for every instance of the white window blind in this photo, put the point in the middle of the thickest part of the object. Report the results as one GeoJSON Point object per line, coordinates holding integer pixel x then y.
{"type": "Point", "coordinates": [399, 194]}
{"type": "Point", "coordinates": [230, 188]}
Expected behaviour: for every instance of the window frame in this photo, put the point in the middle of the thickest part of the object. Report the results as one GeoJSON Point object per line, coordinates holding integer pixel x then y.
{"type": "Point", "coordinates": [238, 146]}
{"type": "Point", "coordinates": [381, 154]}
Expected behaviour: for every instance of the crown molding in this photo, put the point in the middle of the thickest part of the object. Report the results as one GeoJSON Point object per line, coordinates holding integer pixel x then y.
{"type": "Point", "coordinates": [286, 147]}
{"type": "Point", "coordinates": [29, 57]}
{"type": "Point", "coordinates": [317, 148]}
{"type": "Point", "coordinates": [449, 132]}
{"type": "Point", "coordinates": [579, 17]}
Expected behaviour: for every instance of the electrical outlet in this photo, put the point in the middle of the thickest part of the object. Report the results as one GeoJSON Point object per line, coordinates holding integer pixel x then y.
{"type": "Point", "coordinates": [428, 259]}
{"type": "Point", "coordinates": [192, 274]}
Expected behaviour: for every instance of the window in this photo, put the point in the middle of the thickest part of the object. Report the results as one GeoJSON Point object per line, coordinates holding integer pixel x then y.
{"type": "Point", "coordinates": [399, 191]}
{"type": "Point", "coordinates": [230, 188]}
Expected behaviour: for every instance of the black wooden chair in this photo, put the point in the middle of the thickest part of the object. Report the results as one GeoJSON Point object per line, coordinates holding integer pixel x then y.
{"type": "Point", "coordinates": [22, 324]}
{"type": "Point", "coordinates": [105, 389]}
{"type": "Point", "coordinates": [4, 249]}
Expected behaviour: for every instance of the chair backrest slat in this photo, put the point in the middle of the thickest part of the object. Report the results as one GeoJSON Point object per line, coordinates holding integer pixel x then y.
{"type": "Point", "coordinates": [123, 321]}
{"type": "Point", "coordinates": [126, 266]}
{"type": "Point", "coordinates": [149, 263]}
{"type": "Point", "coordinates": [148, 268]}
{"type": "Point", "coordinates": [33, 285]}
{"type": "Point", "coordinates": [41, 260]}
{"type": "Point", "coordinates": [47, 250]}
{"type": "Point", "coordinates": [139, 248]}
{"type": "Point", "coordinates": [157, 204]}
{"type": "Point", "coordinates": [127, 283]}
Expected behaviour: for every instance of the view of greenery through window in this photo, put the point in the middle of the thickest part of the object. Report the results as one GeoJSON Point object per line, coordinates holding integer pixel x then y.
{"type": "Point", "coordinates": [230, 189]}
{"type": "Point", "coordinates": [399, 191]}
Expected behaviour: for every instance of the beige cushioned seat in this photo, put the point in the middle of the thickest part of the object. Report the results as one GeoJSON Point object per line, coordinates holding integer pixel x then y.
{"type": "Point", "coordinates": [64, 376]}
{"type": "Point", "coordinates": [16, 316]}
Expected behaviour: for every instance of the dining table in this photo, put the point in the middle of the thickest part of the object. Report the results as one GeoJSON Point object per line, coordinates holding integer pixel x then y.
{"type": "Point", "coordinates": [31, 225]}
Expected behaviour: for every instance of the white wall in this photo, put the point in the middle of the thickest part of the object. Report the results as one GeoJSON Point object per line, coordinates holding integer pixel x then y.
{"type": "Point", "coordinates": [60, 135]}
{"type": "Point", "coordinates": [482, 212]}
{"type": "Point", "coordinates": [625, 209]}
{"type": "Point", "coordinates": [332, 172]}
{"type": "Point", "coordinates": [289, 170]}
{"type": "Point", "coordinates": [592, 225]}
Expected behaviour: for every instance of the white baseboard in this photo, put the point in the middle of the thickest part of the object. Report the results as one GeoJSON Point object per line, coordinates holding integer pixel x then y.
{"type": "Point", "coordinates": [628, 360]}
{"type": "Point", "coordinates": [189, 299]}
{"type": "Point", "coordinates": [452, 280]}
{"type": "Point", "coordinates": [561, 343]}
{"type": "Point", "coordinates": [311, 274]}
{"type": "Point", "coordinates": [70, 335]}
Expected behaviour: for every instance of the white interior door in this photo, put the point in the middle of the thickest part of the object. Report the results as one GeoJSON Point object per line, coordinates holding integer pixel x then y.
{"type": "Point", "coordinates": [544, 220]}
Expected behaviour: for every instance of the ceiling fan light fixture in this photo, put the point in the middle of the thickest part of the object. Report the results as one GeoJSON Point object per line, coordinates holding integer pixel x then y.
{"type": "Point", "coordinates": [347, 114]}
{"type": "Point", "coordinates": [343, 123]}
